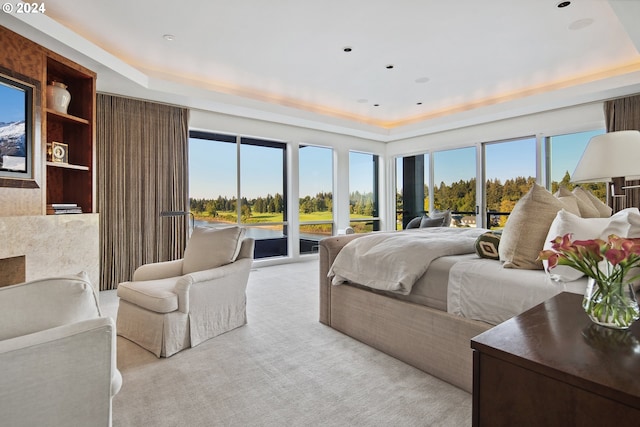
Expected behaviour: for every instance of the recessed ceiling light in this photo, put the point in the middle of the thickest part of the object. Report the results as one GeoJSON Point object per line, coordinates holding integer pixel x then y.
{"type": "Point", "coordinates": [563, 4]}
{"type": "Point", "coordinates": [376, 105]}
{"type": "Point", "coordinates": [580, 24]}
{"type": "Point", "coordinates": [347, 49]}
{"type": "Point", "coordinates": [422, 80]}
{"type": "Point", "coordinates": [169, 37]}
{"type": "Point", "coordinates": [390, 66]}
{"type": "Point", "coordinates": [418, 103]}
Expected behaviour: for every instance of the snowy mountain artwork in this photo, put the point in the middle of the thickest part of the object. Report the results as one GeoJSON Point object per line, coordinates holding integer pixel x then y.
{"type": "Point", "coordinates": [16, 100]}
{"type": "Point", "coordinates": [13, 146]}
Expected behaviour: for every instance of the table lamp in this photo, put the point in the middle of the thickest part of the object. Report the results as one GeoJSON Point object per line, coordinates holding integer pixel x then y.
{"type": "Point", "coordinates": [612, 157]}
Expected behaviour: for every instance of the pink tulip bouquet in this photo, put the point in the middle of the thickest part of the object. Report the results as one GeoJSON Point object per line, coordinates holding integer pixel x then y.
{"type": "Point", "coordinates": [610, 298]}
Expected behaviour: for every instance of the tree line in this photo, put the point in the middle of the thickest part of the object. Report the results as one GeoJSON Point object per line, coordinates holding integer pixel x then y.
{"type": "Point", "coordinates": [459, 196]}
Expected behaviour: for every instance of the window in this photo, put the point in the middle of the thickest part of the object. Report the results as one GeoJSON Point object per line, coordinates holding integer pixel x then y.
{"type": "Point", "coordinates": [363, 192]}
{"type": "Point", "coordinates": [215, 187]}
{"type": "Point", "coordinates": [315, 196]}
{"type": "Point", "coordinates": [454, 181]}
{"type": "Point", "coordinates": [510, 171]}
{"type": "Point", "coordinates": [564, 152]}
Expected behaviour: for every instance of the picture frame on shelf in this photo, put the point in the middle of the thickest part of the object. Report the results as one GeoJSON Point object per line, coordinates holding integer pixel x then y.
{"type": "Point", "coordinates": [17, 118]}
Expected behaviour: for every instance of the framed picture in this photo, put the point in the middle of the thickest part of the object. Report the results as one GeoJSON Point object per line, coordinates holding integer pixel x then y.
{"type": "Point", "coordinates": [16, 130]}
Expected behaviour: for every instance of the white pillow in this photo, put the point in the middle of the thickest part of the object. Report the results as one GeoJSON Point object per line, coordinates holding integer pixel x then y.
{"type": "Point", "coordinates": [209, 248]}
{"type": "Point", "coordinates": [625, 223]}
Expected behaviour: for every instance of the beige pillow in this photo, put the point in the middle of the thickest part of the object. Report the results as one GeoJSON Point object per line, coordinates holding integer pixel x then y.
{"type": "Point", "coordinates": [209, 248]}
{"type": "Point", "coordinates": [603, 209]}
{"type": "Point", "coordinates": [569, 201]}
{"type": "Point", "coordinates": [587, 210]}
{"type": "Point", "coordinates": [527, 227]}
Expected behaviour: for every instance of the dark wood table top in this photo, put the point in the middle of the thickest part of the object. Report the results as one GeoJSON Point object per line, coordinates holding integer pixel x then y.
{"type": "Point", "coordinates": [557, 339]}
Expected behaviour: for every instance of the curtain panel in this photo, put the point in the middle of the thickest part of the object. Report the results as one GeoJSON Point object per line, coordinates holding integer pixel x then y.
{"type": "Point", "coordinates": [624, 114]}
{"type": "Point", "coordinates": [142, 154]}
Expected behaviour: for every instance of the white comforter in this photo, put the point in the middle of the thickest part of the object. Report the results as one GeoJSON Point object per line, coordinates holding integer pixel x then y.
{"type": "Point", "coordinates": [395, 261]}
{"type": "Point", "coordinates": [482, 289]}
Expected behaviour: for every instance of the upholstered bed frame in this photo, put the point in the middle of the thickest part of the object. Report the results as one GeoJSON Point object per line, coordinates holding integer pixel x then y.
{"type": "Point", "coordinates": [431, 340]}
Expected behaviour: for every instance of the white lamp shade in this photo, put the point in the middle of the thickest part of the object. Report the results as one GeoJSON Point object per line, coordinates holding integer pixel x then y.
{"type": "Point", "coordinates": [610, 155]}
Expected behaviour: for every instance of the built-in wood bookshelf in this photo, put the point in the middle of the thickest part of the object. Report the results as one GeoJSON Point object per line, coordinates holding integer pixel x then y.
{"type": "Point", "coordinates": [72, 182]}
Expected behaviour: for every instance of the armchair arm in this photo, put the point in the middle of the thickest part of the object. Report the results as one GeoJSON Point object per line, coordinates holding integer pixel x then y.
{"type": "Point", "coordinates": [158, 270]}
{"type": "Point", "coordinates": [57, 357]}
{"type": "Point", "coordinates": [183, 286]}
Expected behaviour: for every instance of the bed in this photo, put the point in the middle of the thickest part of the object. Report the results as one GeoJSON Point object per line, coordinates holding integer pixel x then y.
{"type": "Point", "coordinates": [429, 325]}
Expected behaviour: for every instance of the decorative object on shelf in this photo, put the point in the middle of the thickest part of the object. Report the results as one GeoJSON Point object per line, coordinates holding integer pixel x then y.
{"type": "Point", "coordinates": [63, 208]}
{"type": "Point", "coordinates": [58, 97]}
{"type": "Point", "coordinates": [609, 299]}
{"type": "Point", "coordinates": [59, 152]}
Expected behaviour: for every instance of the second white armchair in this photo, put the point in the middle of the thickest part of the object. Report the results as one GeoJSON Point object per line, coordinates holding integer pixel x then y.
{"type": "Point", "coordinates": [173, 305]}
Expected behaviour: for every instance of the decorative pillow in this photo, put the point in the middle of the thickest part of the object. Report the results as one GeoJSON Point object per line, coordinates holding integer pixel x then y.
{"type": "Point", "coordinates": [526, 229]}
{"type": "Point", "coordinates": [569, 201]}
{"type": "Point", "coordinates": [582, 229]}
{"type": "Point", "coordinates": [603, 209]}
{"type": "Point", "coordinates": [587, 210]}
{"type": "Point", "coordinates": [445, 215]}
{"type": "Point", "coordinates": [432, 222]}
{"type": "Point", "coordinates": [487, 245]}
{"type": "Point", "coordinates": [209, 248]}
{"type": "Point", "coordinates": [414, 223]}
{"type": "Point", "coordinates": [625, 223]}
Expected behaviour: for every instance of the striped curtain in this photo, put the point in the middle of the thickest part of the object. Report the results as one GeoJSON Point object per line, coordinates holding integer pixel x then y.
{"type": "Point", "coordinates": [142, 152]}
{"type": "Point", "coordinates": [624, 114]}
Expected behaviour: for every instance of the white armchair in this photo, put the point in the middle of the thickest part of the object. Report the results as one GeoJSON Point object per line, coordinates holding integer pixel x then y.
{"type": "Point", "coordinates": [57, 355]}
{"type": "Point", "coordinates": [173, 305]}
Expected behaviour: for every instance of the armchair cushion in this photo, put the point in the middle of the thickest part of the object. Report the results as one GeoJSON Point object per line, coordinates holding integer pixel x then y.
{"type": "Point", "coordinates": [209, 248]}
{"type": "Point", "coordinates": [155, 295]}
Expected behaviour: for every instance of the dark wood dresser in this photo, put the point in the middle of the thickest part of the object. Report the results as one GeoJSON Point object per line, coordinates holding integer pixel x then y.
{"type": "Point", "coordinates": [551, 366]}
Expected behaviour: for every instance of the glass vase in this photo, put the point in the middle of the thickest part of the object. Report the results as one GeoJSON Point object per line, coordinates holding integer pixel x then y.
{"type": "Point", "coordinates": [611, 304]}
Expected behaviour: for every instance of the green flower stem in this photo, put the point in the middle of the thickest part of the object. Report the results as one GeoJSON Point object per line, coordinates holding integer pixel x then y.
{"type": "Point", "coordinates": [609, 305]}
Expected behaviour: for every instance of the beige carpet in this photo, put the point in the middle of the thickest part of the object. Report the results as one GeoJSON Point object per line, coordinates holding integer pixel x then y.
{"type": "Point", "coordinates": [282, 369]}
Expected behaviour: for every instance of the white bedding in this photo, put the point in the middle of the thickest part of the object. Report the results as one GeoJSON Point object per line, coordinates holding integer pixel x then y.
{"type": "Point", "coordinates": [481, 289]}
{"type": "Point", "coordinates": [395, 261]}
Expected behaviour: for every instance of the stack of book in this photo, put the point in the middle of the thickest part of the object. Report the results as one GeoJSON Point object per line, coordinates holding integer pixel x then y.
{"type": "Point", "coordinates": [63, 208]}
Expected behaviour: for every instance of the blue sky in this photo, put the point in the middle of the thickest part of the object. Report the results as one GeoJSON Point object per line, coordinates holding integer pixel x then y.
{"type": "Point", "coordinates": [213, 166]}
{"type": "Point", "coordinates": [509, 159]}
{"type": "Point", "coordinates": [11, 104]}
{"type": "Point", "coordinates": [213, 170]}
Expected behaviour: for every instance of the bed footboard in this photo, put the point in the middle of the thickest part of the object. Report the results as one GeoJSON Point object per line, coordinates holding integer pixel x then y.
{"type": "Point", "coordinates": [328, 251]}
{"type": "Point", "coordinates": [433, 341]}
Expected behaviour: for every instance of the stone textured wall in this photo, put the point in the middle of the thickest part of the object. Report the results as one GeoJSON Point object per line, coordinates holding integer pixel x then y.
{"type": "Point", "coordinates": [53, 244]}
